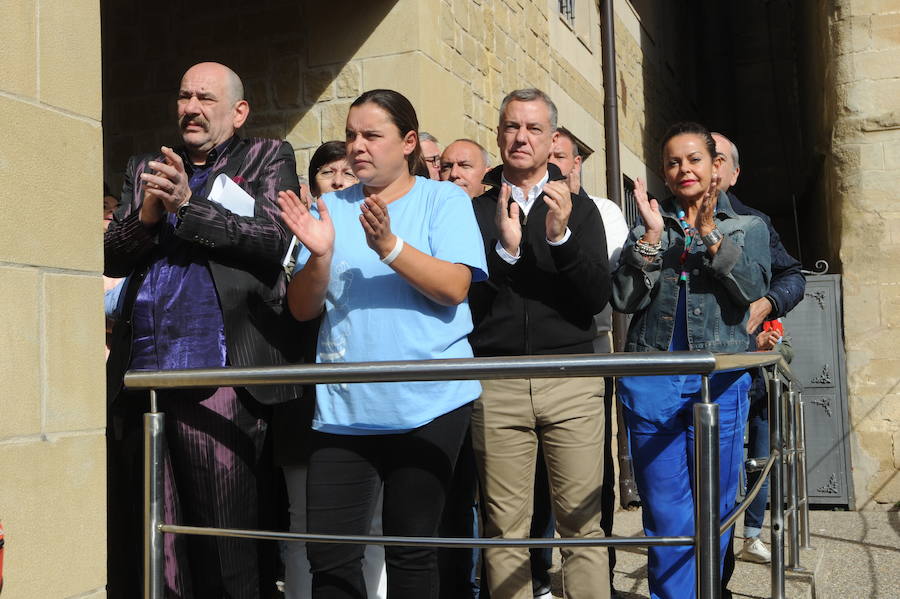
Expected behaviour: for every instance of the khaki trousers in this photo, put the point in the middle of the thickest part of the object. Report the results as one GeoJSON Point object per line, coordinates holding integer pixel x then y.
{"type": "Point", "coordinates": [567, 416]}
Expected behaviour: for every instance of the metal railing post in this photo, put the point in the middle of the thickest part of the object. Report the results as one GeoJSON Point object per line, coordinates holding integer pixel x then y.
{"type": "Point", "coordinates": [790, 492]}
{"type": "Point", "coordinates": [708, 529]}
{"type": "Point", "coordinates": [706, 492]}
{"type": "Point", "coordinates": [776, 484]}
{"type": "Point", "coordinates": [154, 559]}
{"type": "Point", "coordinates": [794, 483]}
{"type": "Point", "coordinates": [801, 469]}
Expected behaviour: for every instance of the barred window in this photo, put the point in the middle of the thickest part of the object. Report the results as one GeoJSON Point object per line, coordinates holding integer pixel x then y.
{"type": "Point", "coordinates": [629, 207]}
{"type": "Point", "coordinates": [567, 10]}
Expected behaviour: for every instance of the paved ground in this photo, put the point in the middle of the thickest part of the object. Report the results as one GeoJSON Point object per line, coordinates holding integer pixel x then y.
{"type": "Point", "coordinates": [855, 555]}
{"type": "Point", "coordinates": [859, 554]}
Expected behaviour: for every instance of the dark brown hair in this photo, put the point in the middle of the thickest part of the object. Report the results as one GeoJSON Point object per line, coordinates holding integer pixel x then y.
{"type": "Point", "coordinates": [403, 115]}
{"type": "Point", "coordinates": [327, 152]}
{"type": "Point", "coordinates": [691, 128]}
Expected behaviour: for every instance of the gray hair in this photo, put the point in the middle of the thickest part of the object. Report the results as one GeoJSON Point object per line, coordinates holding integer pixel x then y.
{"type": "Point", "coordinates": [530, 94]}
{"type": "Point", "coordinates": [426, 136]}
{"type": "Point", "coordinates": [735, 156]}
{"type": "Point", "coordinates": [484, 153]}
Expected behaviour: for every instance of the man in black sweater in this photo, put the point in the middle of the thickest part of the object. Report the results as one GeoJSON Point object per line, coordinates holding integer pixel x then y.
{"type": "Point", "coordinates": [549, 275]}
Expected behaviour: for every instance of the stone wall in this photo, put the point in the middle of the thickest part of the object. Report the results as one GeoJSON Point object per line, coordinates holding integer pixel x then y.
{"type": "Point", "coordinates": [303, 63]}
{"type": "Point", "coordinates": [656, 84]}
{"type": "Point", "coordinates": [52, 404]}
{"type": "Point", "coordinates": [492, 48]}
{"type": "Point", "coordinates": [863, 173]}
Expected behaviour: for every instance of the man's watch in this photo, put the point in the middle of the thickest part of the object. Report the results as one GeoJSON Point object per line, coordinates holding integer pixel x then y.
{"type": "Point", "coordinates": [712, 238]}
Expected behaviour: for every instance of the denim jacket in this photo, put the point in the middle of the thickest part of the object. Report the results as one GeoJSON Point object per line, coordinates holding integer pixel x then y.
{"type": "Point", "coordinates": [788, 283]}
{"type": "Point", "coordinates": [719, 289]}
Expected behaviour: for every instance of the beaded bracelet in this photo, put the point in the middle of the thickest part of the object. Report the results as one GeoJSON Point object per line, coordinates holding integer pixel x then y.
{"type": "Point", "coordinates": [648, 249]}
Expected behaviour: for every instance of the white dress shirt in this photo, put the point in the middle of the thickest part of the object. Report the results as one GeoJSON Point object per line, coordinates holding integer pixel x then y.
{"type": "Point", "coordinates": [525, 203]}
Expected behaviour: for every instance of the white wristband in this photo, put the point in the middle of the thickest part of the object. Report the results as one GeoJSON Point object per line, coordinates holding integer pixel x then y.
{"type": "Point", "coordinates": [398, 247]}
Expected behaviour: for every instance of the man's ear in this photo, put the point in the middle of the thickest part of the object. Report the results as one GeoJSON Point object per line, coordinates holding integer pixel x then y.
{"type": "Point", "coordinates": [734, 178]}
{"type": "Point", "coordinates": [241, 112]}
{"type": "Point", "coordinates": [577, 168]}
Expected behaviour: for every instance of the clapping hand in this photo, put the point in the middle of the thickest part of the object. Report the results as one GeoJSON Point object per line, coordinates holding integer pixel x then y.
{"type": "Point", "coordinates": [316, 234]}
{"type": "Point", "coordinates": [166, 188]}
{"type": "Point", "coordinates": [507, 221]}
{"type": "Point", "coordinates": [559, 203]}
{"type": "Point", "coordinates": [706, 217]}
{"type": "Point", "coordinates": [376, 222]}
{"type": "Point", "coordinates": [573, 180]}
{"type": "Point", "coordinates": [649, 211]}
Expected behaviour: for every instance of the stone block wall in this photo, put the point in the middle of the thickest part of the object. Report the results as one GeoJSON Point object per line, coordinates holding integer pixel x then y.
{"type": "Point", "coordinates": [863, 173]}
{"type": "Point", "coordinates": [654, 88]}
{"type": "Point", "coordinates": [52, 403]}
{"type": "Point", "coordinates": [303, 63]}
{"type": "Point", "coordinates": [492, 48]}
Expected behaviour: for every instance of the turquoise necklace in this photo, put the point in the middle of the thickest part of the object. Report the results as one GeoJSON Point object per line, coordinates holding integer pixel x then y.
{"type": "Point", "coordinates": [690, 235]}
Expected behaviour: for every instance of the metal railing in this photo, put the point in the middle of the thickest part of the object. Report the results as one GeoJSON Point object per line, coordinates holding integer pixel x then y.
{"type": "Point", "coordinates": [707, 525]}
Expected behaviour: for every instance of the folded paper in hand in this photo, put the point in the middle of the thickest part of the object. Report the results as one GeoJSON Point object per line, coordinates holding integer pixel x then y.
{"type": "Point", "coordinates": [230, 195]}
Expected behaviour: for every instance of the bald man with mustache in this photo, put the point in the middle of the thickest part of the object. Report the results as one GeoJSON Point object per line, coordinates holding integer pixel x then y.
{"type": "Point", "coordinates": [205, 290]}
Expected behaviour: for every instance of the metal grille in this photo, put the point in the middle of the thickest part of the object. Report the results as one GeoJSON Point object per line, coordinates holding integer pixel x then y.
{"type": "Point", "coordinates": [567, 10]}
{"type": "Point", "coordinates": [629, 207]}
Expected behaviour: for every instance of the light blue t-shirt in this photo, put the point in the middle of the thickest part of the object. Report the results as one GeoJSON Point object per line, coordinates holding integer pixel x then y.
{"type": "Point", "coordinates": [374, 314]}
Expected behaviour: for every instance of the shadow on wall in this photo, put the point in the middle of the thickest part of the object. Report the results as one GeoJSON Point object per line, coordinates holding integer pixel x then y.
{"type": "Point", "coordinates": [288, 53]}
{"type": "Point", "coordinates": [735, 67]}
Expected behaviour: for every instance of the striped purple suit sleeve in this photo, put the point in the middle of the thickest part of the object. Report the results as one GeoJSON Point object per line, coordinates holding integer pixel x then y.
{"type": "Point", "coordinates": [127, 240]}
{"type": "Point", "coordinates": [269, 167]}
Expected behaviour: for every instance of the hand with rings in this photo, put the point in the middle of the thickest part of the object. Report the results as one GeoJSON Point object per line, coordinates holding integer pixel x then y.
{"type": "Point", "coordinates": [706, 217]}
{"type": "Point", "coordinates": [166, 188]}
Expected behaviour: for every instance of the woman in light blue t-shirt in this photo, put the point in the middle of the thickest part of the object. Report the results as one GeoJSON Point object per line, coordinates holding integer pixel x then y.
{"type": "Point", "coordinates": [389, 261]}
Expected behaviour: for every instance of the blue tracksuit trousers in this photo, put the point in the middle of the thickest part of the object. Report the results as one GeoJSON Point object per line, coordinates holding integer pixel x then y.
{"type": "Point", "coordinates": [663, 455]}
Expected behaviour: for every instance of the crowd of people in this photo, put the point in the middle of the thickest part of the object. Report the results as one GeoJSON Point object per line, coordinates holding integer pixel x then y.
{"type": "Point", "coordinates": [394, 249]}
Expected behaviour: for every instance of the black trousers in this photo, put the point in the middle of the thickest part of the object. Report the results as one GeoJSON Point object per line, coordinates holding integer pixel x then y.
{"type": "Point", "coordinates": [345, 473]}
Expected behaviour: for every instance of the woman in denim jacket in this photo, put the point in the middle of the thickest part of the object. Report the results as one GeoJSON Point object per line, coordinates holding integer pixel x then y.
{"type": "Point", "coordinates": [688, 273]}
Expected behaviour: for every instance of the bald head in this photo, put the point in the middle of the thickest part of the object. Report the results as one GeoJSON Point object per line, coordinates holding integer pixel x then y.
{"type": "Point", "coordinates": [234, 87]}
{"type": "Point", "coordinates": [464, 163]}
{"type": "Point", "coordinates": [211, 107]}
{"type": "Point", "coordinates": [730, 167]}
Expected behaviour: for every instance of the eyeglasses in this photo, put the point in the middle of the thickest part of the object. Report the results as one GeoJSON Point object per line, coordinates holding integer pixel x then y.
{"type": "Point", "coordinates": [433, 160]}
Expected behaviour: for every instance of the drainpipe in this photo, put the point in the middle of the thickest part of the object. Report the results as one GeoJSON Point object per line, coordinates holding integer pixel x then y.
{"type": "Point", "coordinates": [628, 496]}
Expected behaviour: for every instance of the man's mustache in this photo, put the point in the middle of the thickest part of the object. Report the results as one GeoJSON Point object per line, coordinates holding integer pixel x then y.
{"type": "Point", "coordinates": [197, 120]}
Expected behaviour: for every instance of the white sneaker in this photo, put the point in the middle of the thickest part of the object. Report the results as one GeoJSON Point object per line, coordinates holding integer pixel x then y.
{"type": "Point", "coordinates": [754, 550]}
